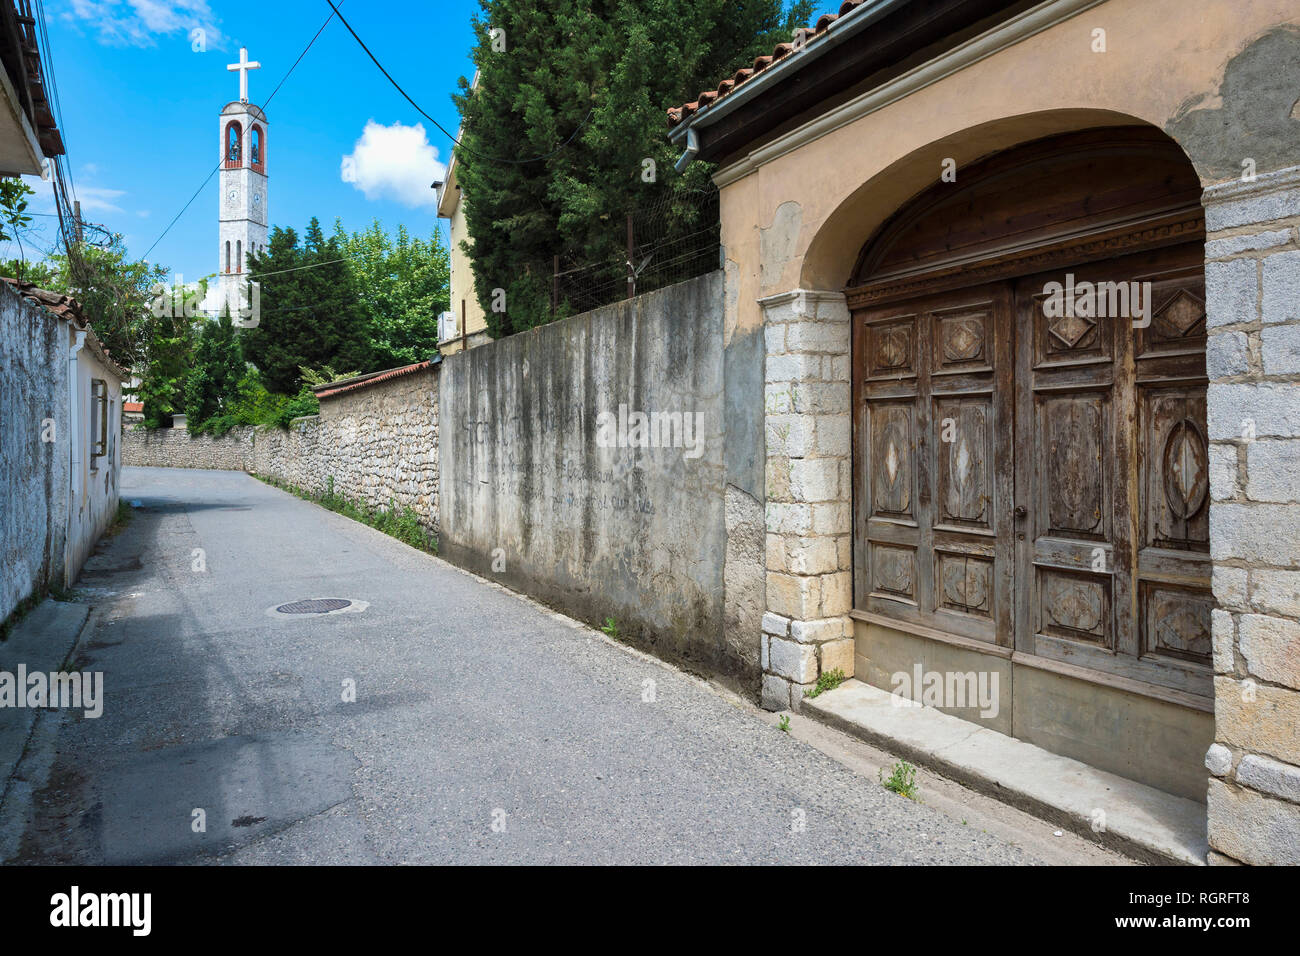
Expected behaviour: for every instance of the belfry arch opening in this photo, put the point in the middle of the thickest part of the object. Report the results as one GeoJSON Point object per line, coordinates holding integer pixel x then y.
{"type": "Point", "coordinates": [234, 145]}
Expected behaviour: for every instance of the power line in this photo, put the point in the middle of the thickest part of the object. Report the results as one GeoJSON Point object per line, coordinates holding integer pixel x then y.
{"type": "Point", "coordinates": [397, 86]}
{"type": "Point", "coordinates": [205, 182]}
{"type": "Point", "coordinates": [310, 265]}
{"type": "Point", "coordinates": [57, 102]}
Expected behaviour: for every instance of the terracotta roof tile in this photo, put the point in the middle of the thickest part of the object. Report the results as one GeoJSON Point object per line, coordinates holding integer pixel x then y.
{"type": "Point", "coordinates": [365, 381]}
{"type": "Point", "coordinates": [677, 114]}
{"type": "Point", "coordinates": [64, 306]}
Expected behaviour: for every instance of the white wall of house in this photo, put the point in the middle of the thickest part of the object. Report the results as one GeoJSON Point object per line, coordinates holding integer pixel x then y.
{"type": "Point", "coordinates": [33, 454]}
{"type": "Point", "coordinates": [96, 451]}
{"type": "Point", "coordinates": [58, 480]}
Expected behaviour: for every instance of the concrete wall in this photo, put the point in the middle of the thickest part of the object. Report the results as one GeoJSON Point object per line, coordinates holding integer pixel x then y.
{"type": "Point", "coordinates": [34, 459]}
{"type": "Point", "coordinates": [538, 493]}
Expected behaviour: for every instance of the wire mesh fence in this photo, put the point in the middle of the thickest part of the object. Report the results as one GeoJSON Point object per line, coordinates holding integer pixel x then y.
{"type": "Point", "coordinates": [670, 240]}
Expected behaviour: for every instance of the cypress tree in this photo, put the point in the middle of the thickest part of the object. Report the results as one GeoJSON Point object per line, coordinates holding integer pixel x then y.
{"type": "Point", "coordinates": [603, 74]}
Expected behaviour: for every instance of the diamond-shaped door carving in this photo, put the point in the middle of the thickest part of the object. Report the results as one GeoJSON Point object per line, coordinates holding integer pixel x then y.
{"type": "Point", "coordinates": [1182, 316]}
{"type": "Point", "coordinates": [892, 349]}
{"type": "Point", "coordinates": [962, 338]}
{"type": "Point", "coordinates": [1186, 476]}
{"type": "Point", "coordinates": [1070, 330]}
{"type": "Point", "coordinates": [893, 457]}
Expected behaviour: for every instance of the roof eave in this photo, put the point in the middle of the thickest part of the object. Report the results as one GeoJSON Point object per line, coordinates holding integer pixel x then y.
{"type": "Point", "coordinates": [844, 28]}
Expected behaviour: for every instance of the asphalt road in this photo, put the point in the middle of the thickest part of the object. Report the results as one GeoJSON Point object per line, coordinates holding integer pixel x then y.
{"type": "Point", "coordinates": [484, 729]}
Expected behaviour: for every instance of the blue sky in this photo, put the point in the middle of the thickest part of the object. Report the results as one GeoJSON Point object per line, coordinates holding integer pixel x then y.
{"type": "Point", "coordinates": [140, 110]}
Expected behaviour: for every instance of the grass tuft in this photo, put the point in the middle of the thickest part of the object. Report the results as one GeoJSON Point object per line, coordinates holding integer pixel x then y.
{"type": "Point", "coordinates": [403, 524]}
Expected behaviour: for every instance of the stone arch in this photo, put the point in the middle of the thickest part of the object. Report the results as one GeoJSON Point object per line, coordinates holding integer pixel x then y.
{"type": "Point", "coordinates": [232, 145]}
{"type": "Point", "coordinates": [257, 147]}
{"type": "Point", "coordinates": [832, 252]}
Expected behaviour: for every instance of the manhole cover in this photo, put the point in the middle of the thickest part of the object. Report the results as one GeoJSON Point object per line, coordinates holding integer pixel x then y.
{"type": "Point", "coordinates": [315, 606]}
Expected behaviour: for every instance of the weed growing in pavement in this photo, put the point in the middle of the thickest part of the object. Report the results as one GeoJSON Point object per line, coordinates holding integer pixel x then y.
{"type": "Point", "coordinates": [783, 723]}
{"type": "Point", "coordinates": [902, 780]}
{"type": "Point", "coordinates": [827, 681]}
{"type": "Point", "coordinates": [120, 518]}
{"type": "Point", "coordinates": [611, 628]}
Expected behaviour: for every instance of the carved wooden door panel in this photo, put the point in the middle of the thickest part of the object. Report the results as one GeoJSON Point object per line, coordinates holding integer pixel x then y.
{"type": "Point", "coordinates": [1112, 496]}
{"type": "Point", "coordinates": [934, 531]}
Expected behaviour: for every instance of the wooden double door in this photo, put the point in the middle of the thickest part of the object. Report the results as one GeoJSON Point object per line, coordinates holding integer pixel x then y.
{"type": "Point", "coordinates": [1033, 475]}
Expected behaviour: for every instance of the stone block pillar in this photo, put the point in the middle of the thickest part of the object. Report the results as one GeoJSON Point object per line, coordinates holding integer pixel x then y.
{"type": "Point", "coordinates": [808, 512]}
{"type": "Point", "coordinates": [1252, 276]}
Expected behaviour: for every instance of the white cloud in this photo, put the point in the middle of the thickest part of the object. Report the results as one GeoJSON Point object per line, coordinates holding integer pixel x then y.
{"type": "Point", "coordinates": [96, 199]}
{"type": "Point", "coordinates": [138, 22]}
{"type": "Point", "coordinates": [394, 162]}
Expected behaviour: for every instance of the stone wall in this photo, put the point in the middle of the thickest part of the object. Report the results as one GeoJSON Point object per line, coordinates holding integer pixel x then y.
{"type": "Point", "coordinates": [177, 448]}
{"type": "Point", "coordinates": [34, 454]}
{"type": "Point", "coordinates": [377, 441]}
{"type": "Point", "coordinates": [806, 631]}
{"type": "Point", "coordinates": [1252, 278]}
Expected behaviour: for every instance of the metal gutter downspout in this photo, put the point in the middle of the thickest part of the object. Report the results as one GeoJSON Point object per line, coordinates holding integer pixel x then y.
{"type": "Point", "coordinates": [692, 149]}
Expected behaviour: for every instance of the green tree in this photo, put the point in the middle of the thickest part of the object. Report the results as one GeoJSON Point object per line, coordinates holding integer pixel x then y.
{"type": "Point", "coordinates": [311, 309]}
{"type": "Point", "coordinates": [116, 292]}
{"type": "Point", "coordinates": [586, 86]}
{"type": "Point", "coordinates": [165, 365]}
{"type": "Point", "coordinates": [40, 274]}
{"type": "Point", "coordinates": [13, 206]}
{"type": "Point", "coordinates": [404, 284]}
{"type": "Point", "coordinates": [212, 385]}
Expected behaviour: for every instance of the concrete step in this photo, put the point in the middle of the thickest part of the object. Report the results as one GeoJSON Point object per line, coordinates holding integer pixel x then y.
{"type": "Point", "coordinates": [1130, 817]}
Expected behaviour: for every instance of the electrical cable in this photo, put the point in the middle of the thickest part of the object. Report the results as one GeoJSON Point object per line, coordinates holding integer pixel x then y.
{"type": "Point", "coordinates": [442, 129]}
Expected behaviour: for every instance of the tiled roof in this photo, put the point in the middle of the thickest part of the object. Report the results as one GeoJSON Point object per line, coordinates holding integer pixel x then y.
{"type": "Point", "coordinates": [679, 113]}
{"type": "Point", "coordinates": [364, 381]}
{"type": "Point", "coordinates": [64, 306]}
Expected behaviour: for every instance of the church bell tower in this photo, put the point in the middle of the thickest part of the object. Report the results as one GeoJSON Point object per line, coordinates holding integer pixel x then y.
{"type": "Point", "coordinates": [242, 203]}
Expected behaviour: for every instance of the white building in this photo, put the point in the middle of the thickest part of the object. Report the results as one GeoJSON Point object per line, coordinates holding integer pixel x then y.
{"type": "Point", "coordinates": [60, 453]}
